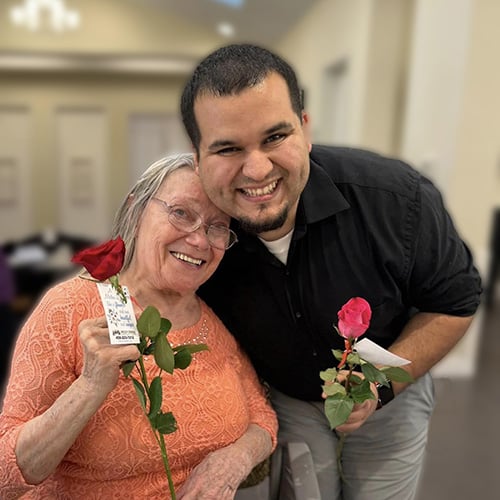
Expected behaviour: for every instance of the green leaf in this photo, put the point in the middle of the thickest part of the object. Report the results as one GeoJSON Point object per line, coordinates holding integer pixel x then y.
{"type": "Point", "coordinates": [361, 392]}
{"type": "Point", "coordinates": [333, 389]}
{"type": "Point", "coordinates": [127, 368]}
{"type": "Point", "coordinates": [373, 374]}
{"type": "Point", "coordinates": [164, 355]}
{"type": "Point", "coordinates": [165, 325]}
{"type": "Point", "coordinates": [142, 345]}
{"type": "Point", "coordinates": [397, 374]}
{"type": "Point", "coordinates": [165, 423]}
{"type": "Point", "coordinates": [192, 348]}
{"type": "Point", "coordinates": [141, 393]}
{"type": "Point", "coordinates": [328, 375]}
{"type": "Point", "coordinates": [353, 359]}
{"type": "Point", "coordinates": [355, 379]}
{"type": "Point", "coordinates": [338, 353]}
{"type": "Point", "coordinates": [182, 359]}
{"type": "Point", "coordinates": [155, 396]}
{"type": "Point", "coordinates": [337, 410]}
{"type": "Point", "coordinates": [149, 322]}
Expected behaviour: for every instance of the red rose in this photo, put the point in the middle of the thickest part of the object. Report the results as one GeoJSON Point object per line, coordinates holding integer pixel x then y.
{"type": "Point", "coordinates": [103, 261]}
{"type": "Point", "coordinates": [354, 318]}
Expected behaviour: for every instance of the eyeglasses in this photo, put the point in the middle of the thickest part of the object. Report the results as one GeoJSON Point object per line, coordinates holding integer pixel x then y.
{"type": "Point", "coordinates": [189, 221]}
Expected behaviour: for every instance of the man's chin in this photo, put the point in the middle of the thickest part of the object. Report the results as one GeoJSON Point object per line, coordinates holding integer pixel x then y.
{"type": "Point", "coordinates": [263, 226]}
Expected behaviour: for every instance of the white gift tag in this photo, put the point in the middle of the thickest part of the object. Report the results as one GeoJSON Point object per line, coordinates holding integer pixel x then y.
{"type": "Point", "coordinates": [121, 318]}
{"type": "Point", "coordinates": [377, 355]}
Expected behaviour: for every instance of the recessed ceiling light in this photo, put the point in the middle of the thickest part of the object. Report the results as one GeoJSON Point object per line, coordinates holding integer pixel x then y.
{"type": "Point", "coordinates": [33, 14]}
{"type": "Point", "coordinates": [225, 29]}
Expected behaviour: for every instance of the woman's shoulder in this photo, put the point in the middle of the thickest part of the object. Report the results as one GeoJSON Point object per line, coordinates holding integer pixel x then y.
{"type": "Point", "coordinates": [74, 295]}
{"type": "Point", "coordinates": [72, 287]}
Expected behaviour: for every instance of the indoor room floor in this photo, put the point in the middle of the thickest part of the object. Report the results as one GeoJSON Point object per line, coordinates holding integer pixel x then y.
{"type": "Point", "coordinates": [463, 459]}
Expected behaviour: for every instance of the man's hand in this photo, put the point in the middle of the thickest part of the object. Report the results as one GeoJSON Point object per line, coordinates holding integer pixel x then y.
{"type": "Point", "coordinates": [360, 411]}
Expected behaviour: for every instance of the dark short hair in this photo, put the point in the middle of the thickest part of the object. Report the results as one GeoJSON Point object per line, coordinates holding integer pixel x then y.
{"type": "Point", "coordinates": [230, 70]}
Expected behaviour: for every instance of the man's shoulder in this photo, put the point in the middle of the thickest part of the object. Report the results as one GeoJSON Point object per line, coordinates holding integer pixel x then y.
{"type": "Point", "coordinates": [366, 169]}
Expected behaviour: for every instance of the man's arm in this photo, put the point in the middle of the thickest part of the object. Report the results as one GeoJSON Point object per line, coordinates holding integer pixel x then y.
{"type": "Point", "coordinates": [426, 339]}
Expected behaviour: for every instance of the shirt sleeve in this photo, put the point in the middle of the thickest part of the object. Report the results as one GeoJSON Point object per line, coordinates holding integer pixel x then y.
{"type": "Point", "coordinates": [41, 370]}
{"type": "Point", "coordinates": [443, 278]}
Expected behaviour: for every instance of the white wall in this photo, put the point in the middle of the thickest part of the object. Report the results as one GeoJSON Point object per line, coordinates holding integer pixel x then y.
{"type": "Point", "coordinates": [435, 87]}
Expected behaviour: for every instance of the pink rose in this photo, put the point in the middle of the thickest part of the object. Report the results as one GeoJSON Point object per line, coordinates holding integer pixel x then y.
{"type": "Point", "coordinates": [354, 318]}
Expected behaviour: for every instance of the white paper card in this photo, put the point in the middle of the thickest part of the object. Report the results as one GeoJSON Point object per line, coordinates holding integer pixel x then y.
{"type": "Point", "coordinates": [377, 355]}
{"type": "Point", "coordinates": [121, 318]}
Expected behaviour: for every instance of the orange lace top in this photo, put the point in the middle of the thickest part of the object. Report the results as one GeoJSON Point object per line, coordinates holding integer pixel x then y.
{"type": "Point", "coordinates": [214, 400]}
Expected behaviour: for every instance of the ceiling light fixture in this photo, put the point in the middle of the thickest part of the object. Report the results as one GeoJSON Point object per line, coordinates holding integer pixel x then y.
{"type": "Point", "coordinates": [225, 29]}
{"type": "Point", "coordinates": [34, 14]}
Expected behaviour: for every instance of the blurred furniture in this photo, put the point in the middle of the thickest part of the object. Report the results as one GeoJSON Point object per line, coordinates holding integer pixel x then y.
{"type": "Point", "coordinates": [39, 261]}
{"type": "Point", "coordinates": [291, 476]}
{"type": "Point", "coordinates": [35, 263]}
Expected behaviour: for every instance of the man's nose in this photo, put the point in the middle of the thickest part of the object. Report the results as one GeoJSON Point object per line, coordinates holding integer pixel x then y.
{"type": "Point", "coordinates": [257, 165]}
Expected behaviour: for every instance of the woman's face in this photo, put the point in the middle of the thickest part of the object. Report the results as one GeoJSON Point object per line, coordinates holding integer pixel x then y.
{"type": "Point", "coordinates": [170, 259]}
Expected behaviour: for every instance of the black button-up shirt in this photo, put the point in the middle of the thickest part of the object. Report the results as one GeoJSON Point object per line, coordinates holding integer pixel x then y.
{"type": "Point", "coordinates": [366, 226]}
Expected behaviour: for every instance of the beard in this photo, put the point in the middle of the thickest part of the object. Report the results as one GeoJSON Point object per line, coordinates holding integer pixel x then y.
{"type": "Point", "coordinates": [258, 227]}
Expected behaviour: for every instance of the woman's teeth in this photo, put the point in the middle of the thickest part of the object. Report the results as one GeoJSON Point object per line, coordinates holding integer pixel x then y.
{"type": "Point", "coordinates": [186, 258]}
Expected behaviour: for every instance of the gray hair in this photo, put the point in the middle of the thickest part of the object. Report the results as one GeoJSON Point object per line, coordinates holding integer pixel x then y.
{"type": "Point", "coordinates": [129, 214]}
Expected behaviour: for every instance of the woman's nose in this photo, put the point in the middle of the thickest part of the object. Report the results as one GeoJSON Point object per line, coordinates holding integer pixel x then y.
{"type": "Point", "coordinates": [199, 238]}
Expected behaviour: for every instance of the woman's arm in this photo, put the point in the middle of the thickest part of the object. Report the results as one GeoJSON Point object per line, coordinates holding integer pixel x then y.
{"type": "Point", "coordinates": [44, 440]}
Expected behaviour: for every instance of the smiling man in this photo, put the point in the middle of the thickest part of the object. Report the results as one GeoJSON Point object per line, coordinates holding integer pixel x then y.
{"type": "Point", "coordinates": [318, 225]}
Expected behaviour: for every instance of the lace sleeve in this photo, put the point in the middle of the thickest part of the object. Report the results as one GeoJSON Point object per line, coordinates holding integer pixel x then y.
{"type": "Point", "coordinates": [43, 366]}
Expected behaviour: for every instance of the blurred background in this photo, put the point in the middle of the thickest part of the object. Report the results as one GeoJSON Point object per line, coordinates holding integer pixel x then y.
{"type": "Point", "coordinates": [89, 93]}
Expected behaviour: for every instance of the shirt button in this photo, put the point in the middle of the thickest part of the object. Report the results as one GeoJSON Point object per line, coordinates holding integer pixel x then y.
{"type": "Point", "coordinates": [298, 315]}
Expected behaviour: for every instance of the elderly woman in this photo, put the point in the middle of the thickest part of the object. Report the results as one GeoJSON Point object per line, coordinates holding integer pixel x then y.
{"type": "Point", "coordinates": [72, 426]}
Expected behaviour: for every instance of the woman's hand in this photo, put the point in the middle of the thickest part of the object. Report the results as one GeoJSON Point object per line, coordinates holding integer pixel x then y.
{"type": "Point", "coordinates": [101, 359]}
{"type": "Point", "coordinates": [217, 476]}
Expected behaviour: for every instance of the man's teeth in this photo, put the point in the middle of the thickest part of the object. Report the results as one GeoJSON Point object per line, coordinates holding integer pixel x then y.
{"type": "Point", "coordinates": [186, 258]}
{"type": "Point", "coordinates": [261, 191]}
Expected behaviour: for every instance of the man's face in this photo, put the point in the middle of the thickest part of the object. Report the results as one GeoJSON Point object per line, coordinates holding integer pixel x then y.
{"type": "Point", "coordinates": [254, 155]}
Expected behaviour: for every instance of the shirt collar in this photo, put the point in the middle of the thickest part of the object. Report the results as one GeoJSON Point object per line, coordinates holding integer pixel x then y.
{"type": "Point", "coordinates": [320, 199]}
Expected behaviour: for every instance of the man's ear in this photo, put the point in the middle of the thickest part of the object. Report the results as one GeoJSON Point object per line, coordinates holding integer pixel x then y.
{"type": "Point", "coordinates": [130, 198]}
{"type": "Point", "coordinates": [306, 127]}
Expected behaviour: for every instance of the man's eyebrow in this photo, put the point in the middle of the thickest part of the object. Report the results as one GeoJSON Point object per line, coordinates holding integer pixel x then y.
{"type": "Point", "coordinates": [278, 127]}
{"type": "Point", "coordinates": [224, 143]}
{"type": "Point", "coordinates": [221, 143]}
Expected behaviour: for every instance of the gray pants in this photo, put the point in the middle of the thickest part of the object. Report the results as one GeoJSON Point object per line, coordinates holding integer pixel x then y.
{"type": "Point", "coordinates": [382, 460]}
